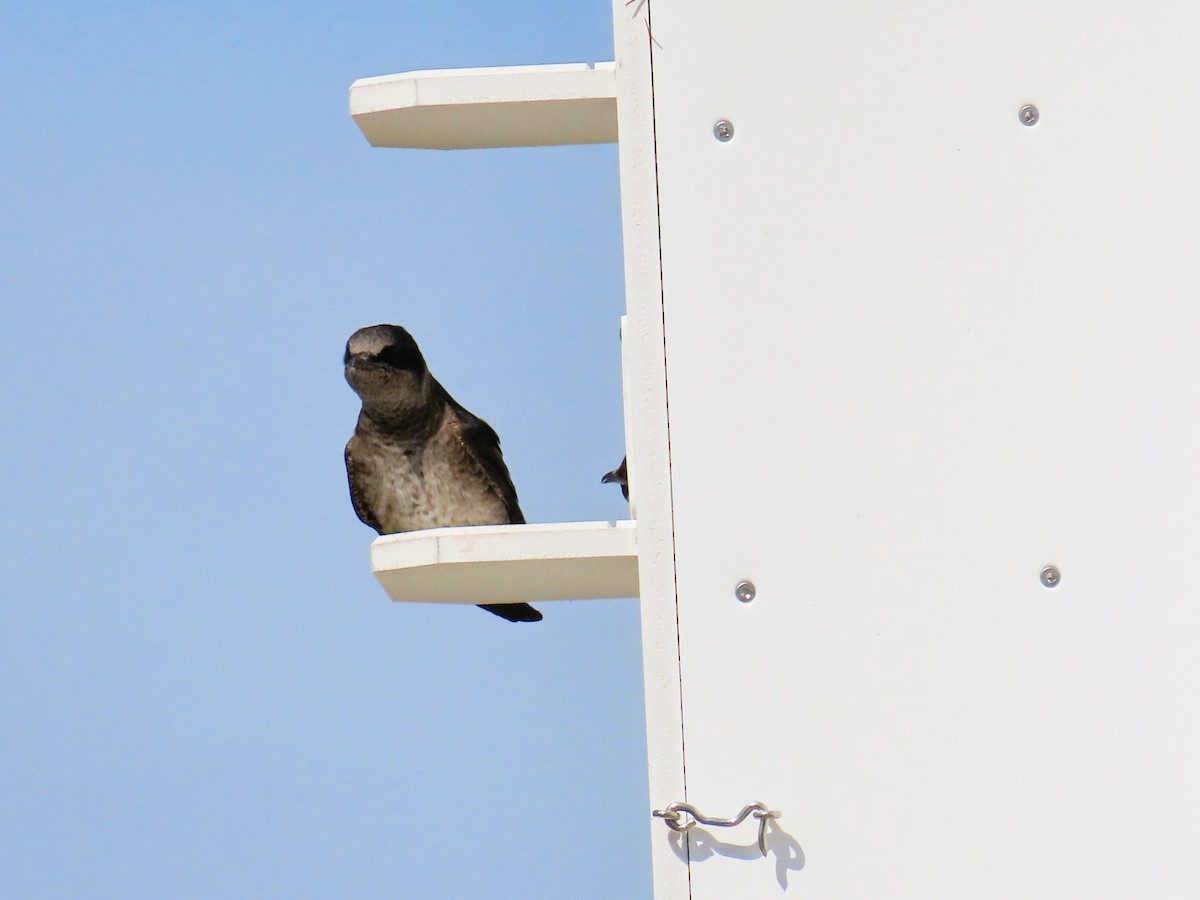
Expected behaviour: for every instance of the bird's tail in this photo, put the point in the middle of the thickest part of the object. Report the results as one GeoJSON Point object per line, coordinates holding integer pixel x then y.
{"type": "Point", "coordinates": [514, 612]}
{"type": "Point", "coordinates": [619, 475]}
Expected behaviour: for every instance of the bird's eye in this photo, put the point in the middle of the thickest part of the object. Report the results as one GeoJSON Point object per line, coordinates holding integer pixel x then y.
{"type": "Point", "coordinates": [402, 356]}
{"type": "Point", "coordinates": [346, 355]}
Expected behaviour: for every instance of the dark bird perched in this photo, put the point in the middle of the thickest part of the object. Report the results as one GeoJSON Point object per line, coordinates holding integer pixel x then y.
{"type": "Point", "coordinates": [418, 459]}
{"type": "Point", "coordinates": [620, 475]}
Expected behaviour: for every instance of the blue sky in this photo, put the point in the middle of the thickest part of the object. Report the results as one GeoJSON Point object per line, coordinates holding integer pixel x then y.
{"type": "Point", "coordinates": [203, 691]}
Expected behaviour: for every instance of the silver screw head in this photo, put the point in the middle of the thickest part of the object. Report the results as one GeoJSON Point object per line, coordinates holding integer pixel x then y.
{"type": "Point", "coordinates": [723, 131]}
{"type": "Point", "coordinates": [1051, 576]}
{"type": "Point", "coordinates": [745, 591]}
{"type": "Point", "coordinates": [1029, 114]}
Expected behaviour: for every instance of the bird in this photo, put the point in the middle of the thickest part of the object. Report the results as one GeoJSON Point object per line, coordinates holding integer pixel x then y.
{"type": "Point", "coordinates": [417, 458]}
{"type": "Point", "coordinates": [619, 475]}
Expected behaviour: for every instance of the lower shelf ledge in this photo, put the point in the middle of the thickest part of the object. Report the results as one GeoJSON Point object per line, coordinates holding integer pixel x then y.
{"type": "Point", "coordinates": [509, 563]}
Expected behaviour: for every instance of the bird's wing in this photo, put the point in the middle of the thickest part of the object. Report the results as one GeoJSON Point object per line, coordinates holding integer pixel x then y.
{"type": "Point", "coordinates": [482, 444]}
{"type": "Point", "coordinates": [355, 475]}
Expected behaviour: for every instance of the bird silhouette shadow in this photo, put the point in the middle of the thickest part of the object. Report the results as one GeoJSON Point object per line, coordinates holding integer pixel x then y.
{"type": "Point", "coordinates": [696, 845]}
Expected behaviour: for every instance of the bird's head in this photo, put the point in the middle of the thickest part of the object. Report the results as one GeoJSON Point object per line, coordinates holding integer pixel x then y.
{"type": "Point", "coordinates": [385, 366]}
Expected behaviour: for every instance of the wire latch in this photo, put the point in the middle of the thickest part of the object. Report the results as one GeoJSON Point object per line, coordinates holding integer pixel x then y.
{"type": "Point", "coordinates": [682, 816]}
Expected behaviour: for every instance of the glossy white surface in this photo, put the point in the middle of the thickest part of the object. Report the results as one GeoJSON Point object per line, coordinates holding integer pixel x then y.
{"type": "Point", "coordinates": [916, 351]}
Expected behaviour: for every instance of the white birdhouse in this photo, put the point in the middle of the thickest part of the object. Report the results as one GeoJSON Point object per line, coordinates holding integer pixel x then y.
{"type": "Point", "coordinates": [913, 418]}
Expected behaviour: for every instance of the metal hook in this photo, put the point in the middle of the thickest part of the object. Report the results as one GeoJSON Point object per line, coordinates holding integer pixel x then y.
{"type": "Point", "coordinates": [674, 815]}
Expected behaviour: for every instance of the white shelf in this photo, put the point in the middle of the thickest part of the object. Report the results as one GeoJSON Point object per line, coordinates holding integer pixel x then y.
{"type": "Point", "coordinates": [509, 563]}
{"type": "Point", "coordinates": [515, 106]}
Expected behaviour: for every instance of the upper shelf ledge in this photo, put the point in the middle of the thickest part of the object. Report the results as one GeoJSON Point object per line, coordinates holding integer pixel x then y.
{"type": "Point", "coordinates": [509, 563]}
{"type": "Point", "coordinates": [512, 106]}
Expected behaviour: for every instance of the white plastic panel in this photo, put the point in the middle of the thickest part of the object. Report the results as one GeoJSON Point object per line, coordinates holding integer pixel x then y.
{"type": "Point", "coordinates": [509, 563]}
{"type": "Point", "coordinates": [644, 384]}
{"type": "Point", "coordinates": [511, 106]}
{"type": "Point", "coordinates": [916, 351]}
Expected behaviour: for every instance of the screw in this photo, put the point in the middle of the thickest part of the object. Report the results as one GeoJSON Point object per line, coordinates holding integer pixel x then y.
{"type": "Point", "coordinates": [1051, 576]}
{"type": "Point", "coordinates": [723, 131]}
{"type": "Point", "coordinates": [745, 591]}
{"type": "Point", "coordinates": [1029, 114]}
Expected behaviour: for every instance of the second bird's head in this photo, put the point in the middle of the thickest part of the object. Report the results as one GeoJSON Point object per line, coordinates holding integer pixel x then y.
{"type": "Point", "coordinates": [383, 363]}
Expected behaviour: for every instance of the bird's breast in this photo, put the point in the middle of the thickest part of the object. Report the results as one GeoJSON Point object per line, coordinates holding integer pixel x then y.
{"type": "Point", "coordinates": [435, 485]}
